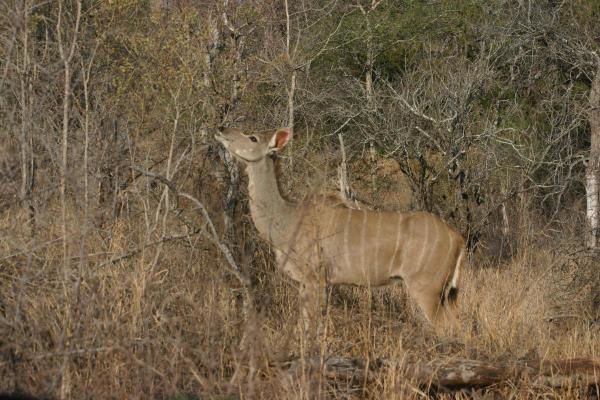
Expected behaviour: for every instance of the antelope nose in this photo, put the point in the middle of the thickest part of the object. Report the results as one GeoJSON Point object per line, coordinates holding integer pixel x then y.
{"type": "Point", "coordinates": [219, 135]}
{"type": "Point", "coordinates": [221, 139]}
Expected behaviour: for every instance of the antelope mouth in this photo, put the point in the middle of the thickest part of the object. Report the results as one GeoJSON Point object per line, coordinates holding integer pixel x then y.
{"type": "Point", "coordinates": [221, 139]}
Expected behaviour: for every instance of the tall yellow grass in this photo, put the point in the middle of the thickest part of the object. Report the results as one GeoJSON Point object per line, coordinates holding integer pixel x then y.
{"type": "Point", "coordinates": [164, 317]}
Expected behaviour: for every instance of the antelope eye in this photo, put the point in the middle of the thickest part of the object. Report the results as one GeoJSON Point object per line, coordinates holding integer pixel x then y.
{"type": "Point", "coordinates": [253, 139]}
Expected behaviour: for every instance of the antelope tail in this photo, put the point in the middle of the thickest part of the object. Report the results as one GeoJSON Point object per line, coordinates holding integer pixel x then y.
{"type": "Point", "coordinates": [450, 294]}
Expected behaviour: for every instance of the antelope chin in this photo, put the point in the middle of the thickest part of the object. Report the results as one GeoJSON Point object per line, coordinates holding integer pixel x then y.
{"type": "Point", "coordinates": [221, 139]}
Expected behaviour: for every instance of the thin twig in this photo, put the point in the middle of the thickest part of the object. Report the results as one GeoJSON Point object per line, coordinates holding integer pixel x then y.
{"type": "Point", "coordinates": [212, 234]}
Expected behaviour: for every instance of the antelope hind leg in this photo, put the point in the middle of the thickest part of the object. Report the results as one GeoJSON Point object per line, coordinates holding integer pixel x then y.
{"type": "Point", "coordinates": [441, 316]}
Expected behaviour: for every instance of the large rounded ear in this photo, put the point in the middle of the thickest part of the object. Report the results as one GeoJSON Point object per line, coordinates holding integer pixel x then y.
{"type": "Point", "coordinates": [280, 139]}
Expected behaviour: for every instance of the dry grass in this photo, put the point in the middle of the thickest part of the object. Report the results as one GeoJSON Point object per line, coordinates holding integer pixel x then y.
{"type": "Point", "coordinates": [166, 319]}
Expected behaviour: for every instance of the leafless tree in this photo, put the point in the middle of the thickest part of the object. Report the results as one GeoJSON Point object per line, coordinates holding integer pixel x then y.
{"type": "Point", "coordinates": [593, 166]}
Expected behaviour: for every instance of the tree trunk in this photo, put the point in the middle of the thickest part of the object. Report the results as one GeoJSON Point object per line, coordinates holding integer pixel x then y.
{"type": "Point", "coordinates": [26, 137]}
{"type": "Point", "coordinates": [237, 41]}
{"type": "Point", "coordinates": [592, 180]}
{"type": "Point", "coordinates": [370, 97]}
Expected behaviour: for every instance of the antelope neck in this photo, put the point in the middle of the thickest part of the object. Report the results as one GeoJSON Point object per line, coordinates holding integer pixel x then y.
{"type": "Point", "coordinates": [271, 213]}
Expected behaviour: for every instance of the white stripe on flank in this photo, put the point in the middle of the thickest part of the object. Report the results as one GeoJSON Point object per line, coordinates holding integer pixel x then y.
{"type": "Point", "coordinates": [377, 242]}
{"type": "Point", "coordinates": [434, 247]}
{"type": "Point", "coordinates": [396, 245]}
{"type": "Point", "coordinates": [346, 238]}
{"type": "Point", "coordinates": [363, 239]}
{"type": "Point", "coordinates": [449, 252]}
{"type": "Point", "coordinates": [419, 261]}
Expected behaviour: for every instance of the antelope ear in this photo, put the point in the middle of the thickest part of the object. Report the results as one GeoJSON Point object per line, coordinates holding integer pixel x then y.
{"type": "Point", "coordinates": [280, 139]}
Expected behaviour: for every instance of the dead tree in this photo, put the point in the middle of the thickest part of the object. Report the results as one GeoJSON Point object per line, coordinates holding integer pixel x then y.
{"type": "Point", "coordinates": [592, 181]}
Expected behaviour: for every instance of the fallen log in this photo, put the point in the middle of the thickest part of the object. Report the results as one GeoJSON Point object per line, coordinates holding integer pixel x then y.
{"type": "Point", "coordinates": [458, 373]}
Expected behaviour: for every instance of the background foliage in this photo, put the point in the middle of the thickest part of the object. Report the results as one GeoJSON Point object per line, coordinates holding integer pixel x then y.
{"type": "Point", "coordinates": [113, 286]}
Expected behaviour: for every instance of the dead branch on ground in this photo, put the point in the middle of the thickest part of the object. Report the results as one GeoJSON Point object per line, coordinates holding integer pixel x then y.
{"type": "Point", "coordinates": [458, 373]}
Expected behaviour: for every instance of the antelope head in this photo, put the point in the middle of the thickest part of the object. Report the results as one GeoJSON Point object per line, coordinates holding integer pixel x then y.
{"type": "Point", "coordinates": [253, 147]}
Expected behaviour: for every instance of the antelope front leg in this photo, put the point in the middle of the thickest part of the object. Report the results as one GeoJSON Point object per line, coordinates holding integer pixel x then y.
{"type": "Point", "coordinates": [312, 307]}
{"type": "Point", "coordinates": [312, 292]}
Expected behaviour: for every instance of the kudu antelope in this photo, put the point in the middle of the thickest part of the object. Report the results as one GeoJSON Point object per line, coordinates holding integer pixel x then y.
{"type": "Point", "coordinates": [324, 239]}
